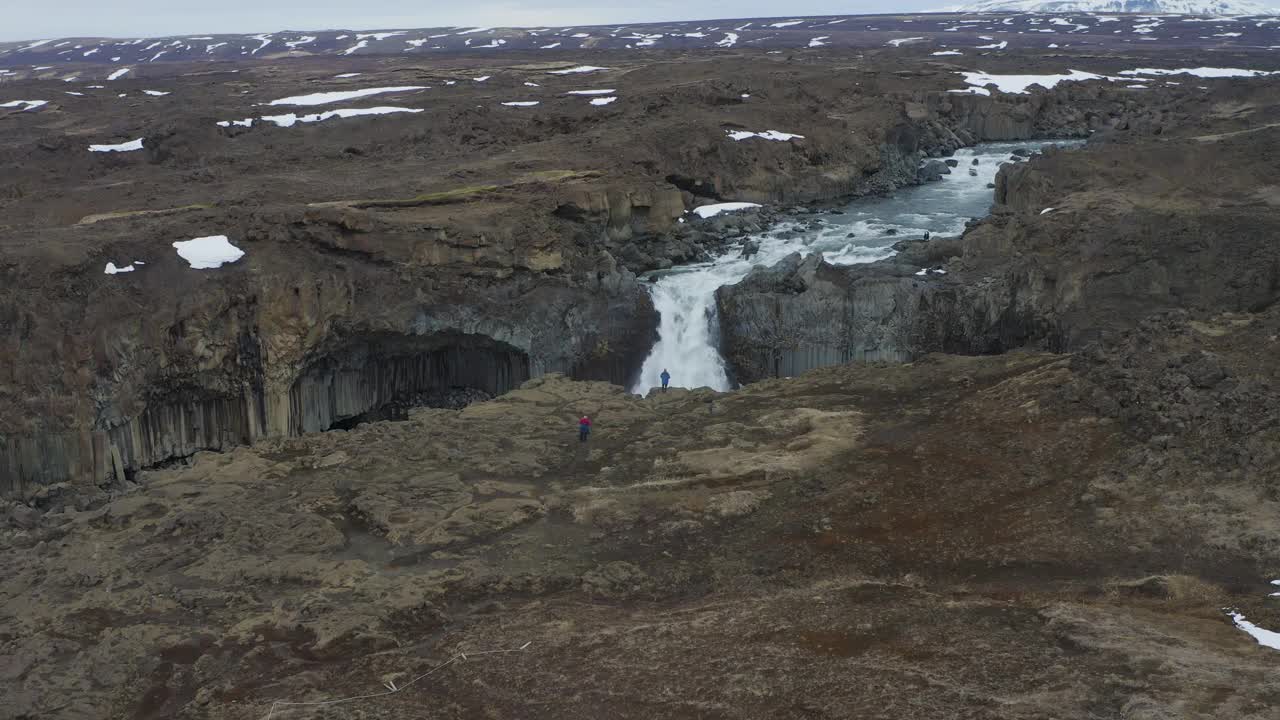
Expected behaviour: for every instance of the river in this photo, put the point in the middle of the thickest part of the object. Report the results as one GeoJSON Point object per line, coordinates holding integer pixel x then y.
{"type": "Point", "coordinates": [688, 336]}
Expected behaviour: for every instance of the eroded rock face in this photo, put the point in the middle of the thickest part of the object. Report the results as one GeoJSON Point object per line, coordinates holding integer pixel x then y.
{"type": "Point", "coordinates": [1080, 243]}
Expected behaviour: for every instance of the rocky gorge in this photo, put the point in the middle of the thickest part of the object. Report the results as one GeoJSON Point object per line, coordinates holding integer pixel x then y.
{"type": "Point", "coordinates": [1079, 243]}
{"type": "Point", "coordinates": [347, 301]}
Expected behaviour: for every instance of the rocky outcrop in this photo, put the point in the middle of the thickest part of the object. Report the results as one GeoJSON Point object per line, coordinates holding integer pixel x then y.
{"type": "Point", "coordinates": [1080, 243]}
{"type": "Point", "coordinates": [333, 313]}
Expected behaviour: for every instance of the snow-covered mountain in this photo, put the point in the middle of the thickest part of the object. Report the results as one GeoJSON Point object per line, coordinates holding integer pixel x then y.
{"type": "Point", "coordinates": [1218, 8]}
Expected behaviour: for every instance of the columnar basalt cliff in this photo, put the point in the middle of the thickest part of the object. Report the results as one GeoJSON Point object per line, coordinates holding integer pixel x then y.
{"type": "Point", "coordinates": [1080, 242]}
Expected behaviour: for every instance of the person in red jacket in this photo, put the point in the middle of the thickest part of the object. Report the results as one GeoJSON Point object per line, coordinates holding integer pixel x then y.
{"type": "Point", "coordinates": [584, 428]}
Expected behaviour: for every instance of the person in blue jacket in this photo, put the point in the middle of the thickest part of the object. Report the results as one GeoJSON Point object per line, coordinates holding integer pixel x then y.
{"type": "Point", "coordinates": [666, 378]}
{"type": "Point", "coordinates": [584, 428]}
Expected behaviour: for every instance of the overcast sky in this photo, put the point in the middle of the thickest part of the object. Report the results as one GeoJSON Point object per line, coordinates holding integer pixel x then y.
{"type": "Point", "coordinates": [30, 19]}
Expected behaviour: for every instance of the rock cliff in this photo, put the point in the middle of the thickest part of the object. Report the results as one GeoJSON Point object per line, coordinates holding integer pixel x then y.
{"type": "Point", "coordinates": [1080, 242]}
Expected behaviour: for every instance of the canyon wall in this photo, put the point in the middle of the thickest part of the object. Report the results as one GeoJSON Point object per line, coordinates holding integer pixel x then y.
{"type": "Point", "coordinates": [1131, 229]}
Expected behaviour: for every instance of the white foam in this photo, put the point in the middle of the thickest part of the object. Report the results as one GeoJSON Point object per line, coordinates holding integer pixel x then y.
{"type": "Point", "coordinates": [325, 98]}
{"type": "Point", "coordinates": [122, 147]}
{"type": "Point", "coordinates": [207, 253]}
{"type": "Point", "coordinates": [710, 211]}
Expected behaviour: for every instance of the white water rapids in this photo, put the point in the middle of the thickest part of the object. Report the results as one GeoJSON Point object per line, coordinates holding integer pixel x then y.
{"type": "Point", "coordinates": [688, 337]}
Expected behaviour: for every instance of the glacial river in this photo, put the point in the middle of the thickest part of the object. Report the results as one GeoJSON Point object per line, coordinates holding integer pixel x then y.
{"type": "Point", "coordinates": [688, 336]}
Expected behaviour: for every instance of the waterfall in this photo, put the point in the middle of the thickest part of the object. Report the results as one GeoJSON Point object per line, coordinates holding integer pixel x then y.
{"type": "Point", "coordinates": [688, 337]}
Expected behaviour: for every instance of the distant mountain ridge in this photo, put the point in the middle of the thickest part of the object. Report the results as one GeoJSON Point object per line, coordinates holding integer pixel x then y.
{"type": "Point", "coordinates": [1217, 8]}
{"type": "Point", "coordinates": [1182, 24]}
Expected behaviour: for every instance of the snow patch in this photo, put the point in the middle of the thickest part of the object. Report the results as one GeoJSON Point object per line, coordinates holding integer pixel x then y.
{"type": "Point", "coordinates": [521, 103]}
{"type": "Point", "coordinates": [576, 70]}
{"type": "Point", "coordinates": [155, 93]}
{"type": "Point", "coordinates": [122, 147]}
{"type": "Point", "coordinates": [292, 119]}
{"type": "Point", "coordinates": [604, 101]}
{"type": "Point", "coordinates": [1018, 84]}
{"type": "Point", "coordinates": [1204, 72]}
{"type": "Point", "coordinates": [26, 105]}
{"type": "Point", "coordinates": [730, 39]}
{"type": "Point", "coordinates": [111, 269]}
{"type": "Point", "coordinates": [1266, 638]}
{"type": "Point", "coordinates": [785, 24]}
{"type": "Point", "coordinates": [947, 52]}
{"type": "Point", "coordinates": [740, 135]}
{"type": "Point", "coordinates": [897, 42]}
{"type": "Point", "coordinates": [118, 74]}
{"type": "Point", "coordinates": [207, 253]}
{"type": "Point", "coordinates": [710, 211]}
{"type": "Point", "coordinates": [591, 92]}
{"type": "Point", "coordinates": [325, 98]}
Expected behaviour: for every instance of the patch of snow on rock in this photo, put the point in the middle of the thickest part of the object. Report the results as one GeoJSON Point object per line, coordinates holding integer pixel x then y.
{"type": "Point", "coordinates": [710, 211]}
{"type": "Point", "coordinates": [207, 253]}
{"type": "Point", "coordinates": [1204, 72]}
{"type": "Point", "coordinates": [785, 24]}
{"type": "Point", "coordinates": [819, 41]}
{"type": "Point", "coordinates": [111, 269]}
{"type": "Point", "coordinates": [947, 52]}
{"type": "Point", "coordinates": [604, 100]}
{"type": "Point", "coordinates": [122, 147]}
{"type": "Point", "coordinates": [291, 119]}
{"type": "Point", "coordinates": [1018, 84]}
{"type": "Point", "coordinates": [897, 42]}
{"type": "Point", "coordinates": [740, 135]}
{"type": "Point", "coordinates": [155, 93]}
{"type": "Point", "coordinates": [26, 105]}
{"type": "Point", "coordinates": [521, 103]}
{"type": "Point", "coordinates": [730, 39]}
{"type": "Point", "coordinates": [576, 70]}
{"type": "Point", "coordinates": [997, 46]}
{"type": "Point", "coordinates": [1266, 638]}
{"type": "Point", "coordinates": [325, 98]}
{"type": "Point", "coordinates": [347, 75]}
{"type": "Point", "coordinates": [591, 92]}
{"type": "Point", "coordinates": [118, 74]}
